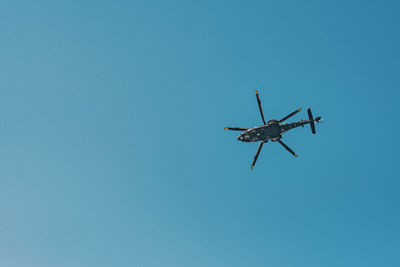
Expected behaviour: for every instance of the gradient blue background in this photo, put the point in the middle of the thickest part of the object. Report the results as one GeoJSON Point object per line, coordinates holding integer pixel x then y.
{"type": "Point", "coordinates": [113, 151]}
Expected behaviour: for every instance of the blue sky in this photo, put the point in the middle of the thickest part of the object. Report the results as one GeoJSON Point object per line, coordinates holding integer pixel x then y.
{"type": "Point", "coordinates": [113, 151]}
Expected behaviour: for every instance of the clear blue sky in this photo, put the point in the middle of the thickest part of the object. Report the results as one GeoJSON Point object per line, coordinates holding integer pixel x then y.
{"type": "Point", "coordinates": [113, 151]}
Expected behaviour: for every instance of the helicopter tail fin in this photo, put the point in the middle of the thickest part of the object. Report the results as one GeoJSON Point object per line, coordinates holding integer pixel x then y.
{"type": "Point", "coordinates": [310, 117]}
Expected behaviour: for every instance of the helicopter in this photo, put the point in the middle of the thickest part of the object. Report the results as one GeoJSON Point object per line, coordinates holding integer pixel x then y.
{"type": "Point", "coordinates": [272, 130]}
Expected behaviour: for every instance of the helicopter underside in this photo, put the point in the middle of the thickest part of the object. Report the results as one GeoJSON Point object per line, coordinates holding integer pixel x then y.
{"type": "Point", "coordinates": [262, 133]}
{"type": "Point", "coordinates": [271, 132]}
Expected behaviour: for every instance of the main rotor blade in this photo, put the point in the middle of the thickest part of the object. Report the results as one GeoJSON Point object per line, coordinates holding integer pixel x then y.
{"type": "Point", "coordinates": [288, 148]}
{"type": "Point", "coordinates": [236, 129]}
{"type": "Point", "coordinates": [259, 106]}
{"type": "Point", "coordinates": [290, 115]}
{"type": "Point", "coordinates": [256, 156]}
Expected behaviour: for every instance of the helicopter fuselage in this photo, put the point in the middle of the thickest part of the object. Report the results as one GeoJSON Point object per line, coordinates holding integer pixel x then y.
{"type": "Point", "coordinates": [273, 131]}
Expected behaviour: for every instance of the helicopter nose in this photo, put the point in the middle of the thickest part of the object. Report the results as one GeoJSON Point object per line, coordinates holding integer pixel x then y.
{"type": "Point", "coordinates": [240, 138]}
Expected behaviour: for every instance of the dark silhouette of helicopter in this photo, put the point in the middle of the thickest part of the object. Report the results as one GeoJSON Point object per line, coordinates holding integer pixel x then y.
{"type": "Point", "coordinates": [272, 130]}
